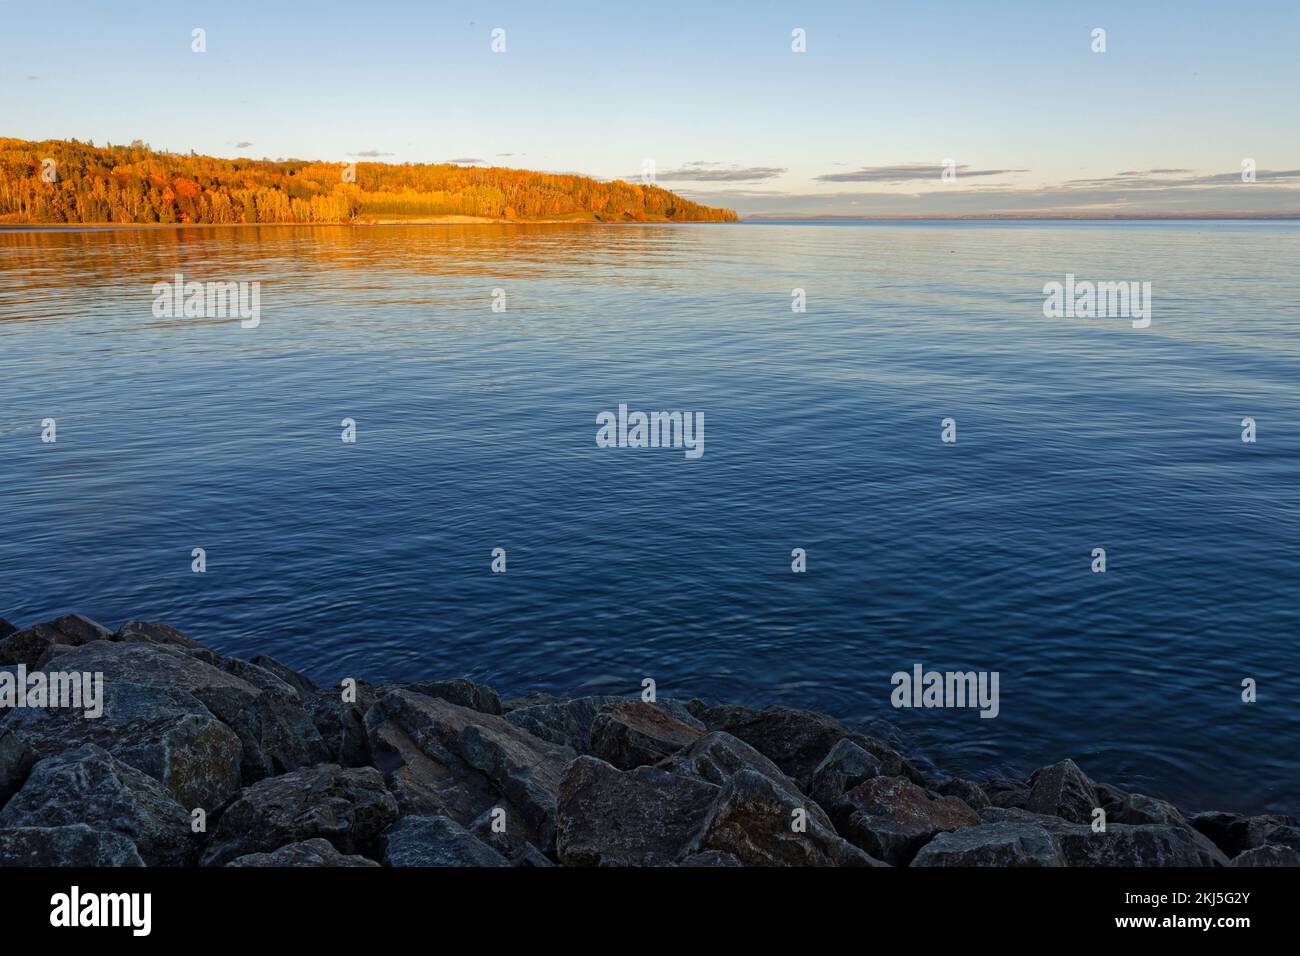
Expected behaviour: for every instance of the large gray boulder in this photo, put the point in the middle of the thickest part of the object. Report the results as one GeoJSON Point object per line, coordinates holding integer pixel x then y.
{"type": "Point", "coordinates": [427, 786]}
{"type": "Point", "coordinates": [1062, 790]}
{"type": "Point", "coordinates": [276, 734]}
{"type": "Point", "coordinates": [313, 852]}
{"type": "Point", "coordinates": [88, 785]}
{"type": "Point", "coordinates": [461, 691]}
{"type": "Point", "coordinates": [756, 820]}
{"type": "Point", "coordinates": [631, 733]}
{"type": "Point", "coordinates": [846, 766]}
{"type": "Point", "coordinates": [341, 725]}
{"type": "Point", "coordinates": [967, 791]}
{"type": "Point", "coordinates": [521, 768]}
{"type": "Point", "coordinates": [30, 645]}
{"type": "Point", "coordinates": [16, 760]}
{"type": "Point", "coordinates": [892, 818]}
{"type": "Point", "coordinates": [1139, 846]}
{"type": "Point", "coordinates": [303, 684]}
{"type": "Point", "coordinates": [436, 841]}
{"type": "Point", "coordinates": [717, 757]}
{"type": "Point", "coordinates": [75, 845]}
{"type": "Point", "coordinates": [991, 844]}
{"type": "Point", "coordinates": [349, 807]}
{"type": "Point", "coordinates": [1267, 855]}
{"type": "Point", "coordinates": [1006, 793]}
{"type": "Point", "coordinates": [1234, 833]}
{"type": "Point", "coordinates": [152, 632]}
{"type": "Point", "coordinates": [162, 731]}
{"type": "Point", "coordinates": [642, 817]}
{"type": "Point", "coordinates": [569, 722]}
{"type": "Point", "coordinates": [798, 740]}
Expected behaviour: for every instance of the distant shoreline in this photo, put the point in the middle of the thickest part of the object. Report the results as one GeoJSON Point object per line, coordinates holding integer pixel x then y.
{"type": "Point", "coordinates": [432, 221]}
{"type": "Point", "coordinates": [797, 220]}
{"type": "Point", "coordinates": [1033, 217]}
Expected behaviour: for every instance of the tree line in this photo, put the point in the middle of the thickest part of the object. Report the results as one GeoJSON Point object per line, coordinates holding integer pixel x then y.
{"type": "Point", "coordinates": [69, 181]}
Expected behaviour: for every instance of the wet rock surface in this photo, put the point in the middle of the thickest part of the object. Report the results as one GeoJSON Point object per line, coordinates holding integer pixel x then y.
{"type": "Point", "coordinates": [202, 759]}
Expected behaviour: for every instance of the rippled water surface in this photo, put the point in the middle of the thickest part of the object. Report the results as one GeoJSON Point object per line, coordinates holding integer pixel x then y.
{"type": "Point", "coordinates": [477, 431]}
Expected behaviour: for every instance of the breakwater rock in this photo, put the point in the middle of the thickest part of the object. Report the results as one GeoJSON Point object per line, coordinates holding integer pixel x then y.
{"type": "Point", "coordinates": [142, 747]}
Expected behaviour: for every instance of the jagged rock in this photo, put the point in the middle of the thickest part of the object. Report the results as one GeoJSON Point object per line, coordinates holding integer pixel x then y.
{"type": "Point", "coordinates": [1234, 833]}
{"type": "Point", "coordinates": [642, 817]}
{"type": "Point", "coordinates": [6, 628]}
{"type": "Point", "coordinates": [717, 757]}
{"type": "Point", "coordinates": [1128, 845]}
{"type": "Point", "coordinates": [349, 807]}
{"type": "Point", "coordinates": [711, 858]}
{"type": "Point", "coordinates": [303, 684]}
{"type": "Point", "coordinates": [1268, 855]}
{"type": "Point", "coordinates": [436, 841]}
{"type": "Point", "coordinates": [510, 837]}
{"type": "Point", "coordinates": [1110, 798]}
{"type": "Point", "coordinates": [846, 766]}
{"type": "Point", "coordinates": [754, 819]}
{"type": "Point", "coordinates": [631, 733]}
{"type": "Point", "coordinates": [967, 791]}
{"type": "Point", "coordinates": [342, 727]}
{"type": "Point", "coordinates": [522, 768]}
{"type": "Point", "coordinates": [259, 677]}
{"type": "Point", "coordinates": [161, 731]}
{"type": "Point", "coordinates": [1005, 792]}
{"type": "Point", "coordinates": [697, 708]}
{"type": "Point", "coordinates": [462, 691]}
{"type": "Point", "coordinates": [568, 722]}
{"type": "Point", "coordinates": [150, 632]}
{"type": "Point", "coordinates": [798, 740]}
{"type": "Point", "coordinates": [423, 785]}
{"type": "Point", "coordinates": [30, 645]}
{"type": "Point", "coordinates": [1014, 815]}
{"type": "Point", "coordinates": [1064, 791]}
{"type": "Point", "coordinates": [1137, 809]}
{"type": "Point", "coordinates": [16, 760]}
{"type": "Point", "coordinates": [313, 852]}
{"type": "Point", "coordinates": [274, 730]}
{"type": "Point", "coordinates": [891, 818]}
{"type": "Point", "coordinates": [991, 844]}
{"type": "Point", "coordinates": [76, 845]}
{"type": "Point", "coordinates": [534, 699]}
{"type": "Point", "coordinates": [88, 785]}
{"type": "Point", "coordinates": [1124, 845]}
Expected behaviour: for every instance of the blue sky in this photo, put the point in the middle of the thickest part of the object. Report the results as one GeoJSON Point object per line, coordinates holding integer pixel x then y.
{"type": "Point", "coordinates": [861, 123]}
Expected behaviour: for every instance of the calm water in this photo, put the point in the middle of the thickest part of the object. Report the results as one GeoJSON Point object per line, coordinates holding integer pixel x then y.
{"type": "Point", "coordinates": [477, 430]}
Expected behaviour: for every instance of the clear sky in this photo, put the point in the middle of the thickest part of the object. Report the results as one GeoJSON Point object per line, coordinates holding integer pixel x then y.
{"type": "Point", "coordinates": [712, 92]}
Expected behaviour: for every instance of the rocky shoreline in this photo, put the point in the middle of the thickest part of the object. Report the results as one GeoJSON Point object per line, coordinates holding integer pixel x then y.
{"type": "Point", "coordinates": [203, 760]}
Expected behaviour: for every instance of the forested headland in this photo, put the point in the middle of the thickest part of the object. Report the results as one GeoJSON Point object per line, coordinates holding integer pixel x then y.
{"type": "Point", "coordinates": [58, 181]}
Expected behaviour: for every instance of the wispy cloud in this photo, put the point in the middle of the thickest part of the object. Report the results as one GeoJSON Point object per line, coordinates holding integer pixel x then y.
{"type": "Point", "coordinates": [704, 172]}
{"type": "Point", "coordinates": [466, 159]}
{"type": "Point", "coordinates": [370, 154]}
{"type": "Point", "coordinates": [244, 144]}
{"type": "Point", "coordinates": [906, 173]}
{"type": "Point", "coordinates": [1170, 179]}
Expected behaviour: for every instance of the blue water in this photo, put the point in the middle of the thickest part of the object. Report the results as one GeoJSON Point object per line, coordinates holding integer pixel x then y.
{"type": "Point", "coordinates": [822, 431]}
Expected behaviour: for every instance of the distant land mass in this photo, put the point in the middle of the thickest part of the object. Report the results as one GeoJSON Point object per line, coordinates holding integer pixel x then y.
{"type": "Point", "coordinates": [1014, 216]}
{"type": "Point", "coordinates": [58, 181]}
